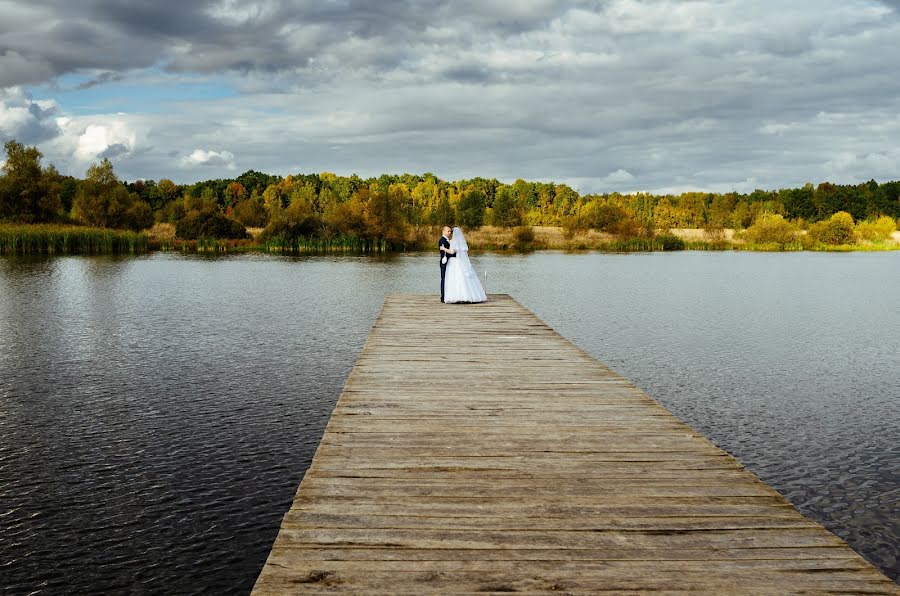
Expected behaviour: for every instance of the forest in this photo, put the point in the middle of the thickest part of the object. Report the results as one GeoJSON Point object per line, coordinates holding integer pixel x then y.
{"type": "Point", "coordinates": [400, 212]}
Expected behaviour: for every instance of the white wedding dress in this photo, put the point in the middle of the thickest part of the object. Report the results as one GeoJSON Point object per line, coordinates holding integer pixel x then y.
{"type": "Point", "coordinates": [461, 283]}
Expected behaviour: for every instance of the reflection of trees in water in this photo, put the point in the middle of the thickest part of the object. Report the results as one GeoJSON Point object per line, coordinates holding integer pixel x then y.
{"type": "Point", "coordinates": [12, 267]}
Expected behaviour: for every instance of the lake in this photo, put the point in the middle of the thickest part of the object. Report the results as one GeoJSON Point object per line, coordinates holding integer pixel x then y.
{"type": "Point", "coordinates": [157, 413]}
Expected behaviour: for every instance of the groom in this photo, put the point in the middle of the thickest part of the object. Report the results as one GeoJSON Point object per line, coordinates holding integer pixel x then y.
{"type": "Point", "coordinates": [446, 254]}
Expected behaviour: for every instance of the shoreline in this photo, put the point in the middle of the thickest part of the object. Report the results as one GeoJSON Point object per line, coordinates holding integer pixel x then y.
{"type": "Point", "coordinates": [50, 239]}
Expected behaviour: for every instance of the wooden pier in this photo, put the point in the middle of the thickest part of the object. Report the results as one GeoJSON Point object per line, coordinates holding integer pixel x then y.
{"type": "Point", "coordinates": [475, 450]}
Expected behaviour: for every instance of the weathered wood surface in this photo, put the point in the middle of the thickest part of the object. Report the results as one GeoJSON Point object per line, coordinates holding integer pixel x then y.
{"type": "Point", "coordinates": [475, 450]}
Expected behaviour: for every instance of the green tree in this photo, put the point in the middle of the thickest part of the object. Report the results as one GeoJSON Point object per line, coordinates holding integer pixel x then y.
{"type": "Point", "coordinates": [720, 209]}
{"type": "Point", "coordinates": [255, 181]}
{"type": "Point", "coordinates": [202, 217]}
{"type": "Point", "coordinates": [297, 220]}
{"type": "Point", "coordinates": [251, 213]}
{"type": "Point", "coordinates": [327, 198]}
{"type": "Point", "coordinates": [209, 224]}
{"type": "Point", "coordinates": [526, 197]}
{"type": "Point", "coordinates": [274, 198]}
{"type": "Point", "coordinates": [565, 200]}
{"type": "Point", "coordinates": [692, 209]}
{"type": "Point", "coordinates": [28, 193]}
{"type": "Point", "coordinates": [772, 229]}
{"type": "Point", "coordinates": [385, 216]}
{"type": "Point", "coordinates": [442, 214]}
{"type": "Point", "coordinates": [470, 210]}
{"type": "Point", "coordinates": [138, 216]}
{"type": "Point", "coordinates": [167, 190]}
{"type": "Point", "coordinates": [838, 229]}
{"type": "Point", "coordinates": [304, 192]}
{"type": "Point", "coordinates": [68, 188]}
{"type": "Point", "coordinates": [665, 215]}
{"type": "Point", "coordinates": [604, 216]}
{"type": "Point", "coordinates": [798, 202]}
{"type": "Point", "coordinates": [347, 218]}
{"type": "Point", "coordinates": [826, 199]}
{"type": "Point", "coordinates": [506, 212]}
{"type": "Point", "coordinates": [104, 201]}
{"type": "Point", "coordinates": [878, 230]}
{"type": "Point", "coordinates": [889, 193]}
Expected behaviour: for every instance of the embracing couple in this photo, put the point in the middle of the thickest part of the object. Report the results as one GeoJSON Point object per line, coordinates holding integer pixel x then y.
{"type": "Point", "coordinates": [459, 282]}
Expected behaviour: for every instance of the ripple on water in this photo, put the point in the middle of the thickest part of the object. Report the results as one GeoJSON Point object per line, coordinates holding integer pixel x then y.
{"type": "Point", "coordinates": [158, 412]}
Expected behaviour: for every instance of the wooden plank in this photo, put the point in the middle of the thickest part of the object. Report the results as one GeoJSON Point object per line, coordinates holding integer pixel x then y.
{"type": "Point", "coordinates": [618, 553]}
{"type": "Point", "coordinates": [475, 450]}
{"type": "Point", "coordinates": [571, 577]}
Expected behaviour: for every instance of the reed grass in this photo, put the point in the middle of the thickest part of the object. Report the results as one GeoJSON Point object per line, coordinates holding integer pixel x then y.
{"type": "Point", "coordinates": [203, 245]}
{"type": "Point", "coordinates": [656, 243]}
{"type": "Point", "coordinates": [864, 247]}
{"type": "Point", "coordinates": [69, 239]}
{"type": "Point", "coordinates": [705, 245]}
{"type": "Point", "coordinates": [345, 244]}
{"type": "Point", "coordinates": [24, 239]}
{"type": "Point", "coordinates": [816, 247]}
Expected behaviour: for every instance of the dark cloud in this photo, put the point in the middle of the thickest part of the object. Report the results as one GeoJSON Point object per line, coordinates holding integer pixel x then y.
{"type": "Point", "coordinates": [606, 94]}
{"type": "Point", "coordinates": [322, 40]}
{"type": "Point", "coordinates": [468, 73]}
{"type": "Point", "coordinates": [17, 69]}
{"type": "Point", "coordinates": [114, 150]}
{"type": "Point", "coordinates": [102, 78]}
{"type": "Point", "coordinates": [266, 35]}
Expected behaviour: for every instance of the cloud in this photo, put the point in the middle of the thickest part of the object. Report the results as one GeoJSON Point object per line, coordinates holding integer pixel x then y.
{"type": "Point", "coordinates": [776, 128]}
{"type": "Point", "coordinates": [17, 69]}
{"type": "Point", "coordinates": [99, 141]}
{"type": "Point", "coordinates": [200, 157]}
{"type": "Point", "coordinates": [620, 177]}
{"type": "Point", "coordinates": [603, 94]}
{"type": "Point", "coordinates": [305, 37]}
{"type": "Point", "coordinates": [102, 78]}
{"type": "Point", "coordinates": [880, 164]}
{"type": "Point", "coordinates": [318, 42]}
{"type": "Point", "coordinates": [25, 119]}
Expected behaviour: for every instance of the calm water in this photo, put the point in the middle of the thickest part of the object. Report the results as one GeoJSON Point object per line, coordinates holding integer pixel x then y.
{"type": "Point", "coordinates": [157, 413]}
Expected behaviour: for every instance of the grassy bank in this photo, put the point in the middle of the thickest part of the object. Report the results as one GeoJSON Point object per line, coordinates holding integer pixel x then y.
{"type": "Point", "coordinates": [553, 238]}
{"type": "Point", "coordinates": [547, 237]}
{"type": "Point", "coordinates": [492, 238]}
{"type": "Point", "coordinates": [162, 237]}
{"type": "Point", "coordinates": [68, 240]}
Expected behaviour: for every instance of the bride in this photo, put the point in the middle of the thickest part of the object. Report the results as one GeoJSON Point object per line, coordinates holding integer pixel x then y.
{"type": "Point", "coordinates": [461, 283]}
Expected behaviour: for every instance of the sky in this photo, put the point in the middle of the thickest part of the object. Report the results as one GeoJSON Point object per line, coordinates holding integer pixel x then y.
{"type": "Point", "coordinates": [603, 95]}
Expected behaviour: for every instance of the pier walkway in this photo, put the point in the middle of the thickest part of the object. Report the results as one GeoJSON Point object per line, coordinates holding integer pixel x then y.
{"type": "Point", "coordinates": [475, 450]}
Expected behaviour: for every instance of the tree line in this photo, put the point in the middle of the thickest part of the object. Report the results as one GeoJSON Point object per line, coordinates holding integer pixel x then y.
{"type": "Point", "coordinates": [399, 209]}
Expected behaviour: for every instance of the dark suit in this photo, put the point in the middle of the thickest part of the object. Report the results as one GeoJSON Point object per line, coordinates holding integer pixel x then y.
{"type": "Point", "coordinates": [446, 244]}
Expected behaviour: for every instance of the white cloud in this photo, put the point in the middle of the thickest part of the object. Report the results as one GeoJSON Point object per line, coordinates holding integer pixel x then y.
{"type": "Point", "coordinates": [633, 16]}
{"type": "Point", "coordinates": [113, 139]}
{"type": "Point", "coordinates": [201, 157]}
{"type": "Point", "coordinates": [25, 119]}
{"type": "Point", "coordinates": [238, 13]}
{"type": "Point", "coordinates": [776, 128]}
{"type": "Point", "coordinates": [620, 176]}
{"type": "Point", "coordinates": [877, 164]}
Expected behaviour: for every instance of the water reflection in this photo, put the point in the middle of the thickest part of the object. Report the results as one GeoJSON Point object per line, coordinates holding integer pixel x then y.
{"type": "Point", "coordinates": [158, 412]}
